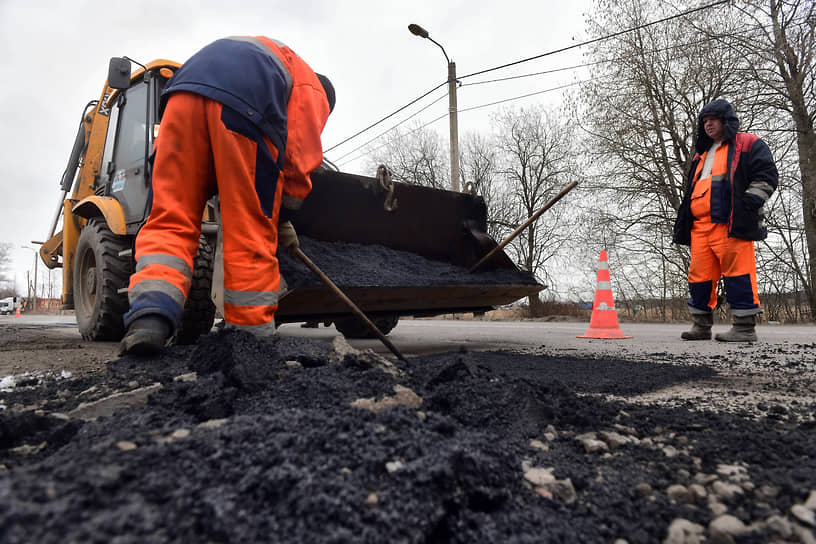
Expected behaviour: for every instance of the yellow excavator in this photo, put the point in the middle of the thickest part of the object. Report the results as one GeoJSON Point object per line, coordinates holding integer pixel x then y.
{"type": "Point", "coordinates": [108, 178]}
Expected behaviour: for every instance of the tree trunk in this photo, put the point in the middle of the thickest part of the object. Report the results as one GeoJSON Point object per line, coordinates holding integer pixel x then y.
{"type": "Point", "coordinates": [536, 306]}
{"type": "Point", "coordinates": [807, 165]}
{"type": "Point", "coordinates": [795, 66]}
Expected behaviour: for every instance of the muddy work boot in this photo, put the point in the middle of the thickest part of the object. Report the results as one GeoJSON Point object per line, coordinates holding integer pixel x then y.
{"type": "Point", "coordinates": [147, 335]}
{"type": "Point", "coordinates": [701, 330]}
{"type": "Point", "coordinates": [742, 331]}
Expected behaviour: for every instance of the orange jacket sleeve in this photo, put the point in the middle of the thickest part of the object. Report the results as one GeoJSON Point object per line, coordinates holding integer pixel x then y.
{"type": "Point", "coordinates": [307, 112]}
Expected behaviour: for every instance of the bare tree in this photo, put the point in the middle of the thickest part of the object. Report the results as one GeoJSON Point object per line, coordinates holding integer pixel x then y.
{"type": "Point", "coordinates": [536, 162]}
{"type": "Point", "coordinates": [6, 283]}
{"type": "Point", "coordinates": [782, 42]}
{"type": "Point", "coordinates": [517, 169]}
{"type": "Point", "coordinates": [479, 156]}
{"type": "Point", "coordinates": [415, 156]}
{"type": "Point", "coordinates": [640, 115]}
{"type": "Point", "coordinates": [782, 259]}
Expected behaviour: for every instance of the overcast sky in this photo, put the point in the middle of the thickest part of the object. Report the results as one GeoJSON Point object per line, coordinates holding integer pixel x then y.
{"type": "Point", "coordinates": [55, 57]}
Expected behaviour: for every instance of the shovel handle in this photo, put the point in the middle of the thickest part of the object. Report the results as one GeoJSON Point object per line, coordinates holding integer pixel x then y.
{"type": "Point", "coordinates": [526, 224]}
{"type": "Point", "coordinates": [314, 268]}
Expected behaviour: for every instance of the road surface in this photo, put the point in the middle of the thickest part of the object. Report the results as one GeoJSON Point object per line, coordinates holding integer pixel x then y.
{"type": "Point", "coordinates": [425, 336]}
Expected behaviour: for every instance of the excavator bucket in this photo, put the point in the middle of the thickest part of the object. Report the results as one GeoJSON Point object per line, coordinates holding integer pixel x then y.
{"type": "Point", "coordinates": [395, 249]}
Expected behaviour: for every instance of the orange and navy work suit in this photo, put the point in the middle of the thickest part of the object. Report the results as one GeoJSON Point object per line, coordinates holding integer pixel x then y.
{"type": "Point", "coordinates": [722, 214]}
{"type": "Point", "coordinates": [242, 118]}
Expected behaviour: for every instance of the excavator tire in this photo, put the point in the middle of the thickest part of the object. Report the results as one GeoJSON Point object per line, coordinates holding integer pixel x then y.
{"type": "Point", "coordinates": [353, 327]}
{"type": "Point", "coordinates": [99, 274]}
{"type": "Point", "coordinates": [199, 310]}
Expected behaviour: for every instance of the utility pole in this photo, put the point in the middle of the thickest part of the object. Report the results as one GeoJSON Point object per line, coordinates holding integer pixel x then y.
{"type": "Point", "coordinates": [36, 258]}
{"type": "Point", "coordinates": [417, 30]}
{"type": "Point", "coordinates": [454, 127]}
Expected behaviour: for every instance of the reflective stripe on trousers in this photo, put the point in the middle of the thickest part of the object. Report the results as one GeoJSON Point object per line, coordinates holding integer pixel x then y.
{"type": "Point", "coordinates": [204, 147]}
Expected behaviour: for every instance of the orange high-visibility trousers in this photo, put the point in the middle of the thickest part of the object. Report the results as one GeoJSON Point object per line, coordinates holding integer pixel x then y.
{"type": "Point", "coordinates": [204, 148]}
{"type": "Point", "coordinates": [715, 255]}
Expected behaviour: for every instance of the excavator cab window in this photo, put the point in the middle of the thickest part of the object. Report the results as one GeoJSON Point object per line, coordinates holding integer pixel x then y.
{"type": "Point", "coordinates": [129, 150]}
{"type": "Point", "coordinates": [123, 158]}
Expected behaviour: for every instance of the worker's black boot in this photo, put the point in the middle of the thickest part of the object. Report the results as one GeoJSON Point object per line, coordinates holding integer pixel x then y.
{"type": "Point", "coordinates": [701, 330]}
{"type": "Point", "coordinates": [146, 335]}
{"type": "Point", "coordinates": [744, 330]}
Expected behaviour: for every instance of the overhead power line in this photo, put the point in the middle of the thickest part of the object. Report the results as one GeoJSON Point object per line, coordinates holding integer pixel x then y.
{"type": "Point", "coordinates": [600, 39]}
{"type": "Point", "coordinates": [341, 162]}
{"type": "Point", "coordinates": [412, 131]}
{"type": "Point", "coordinates": [392, 128]}
{"type": "Point", "coordinates": [361, 146]}
{"type": "Point", "coordinates": [528, 59]}
{"type": "Point", "coordinates": [522, 76]}
{"type": "Point", "coordinates": [390, 115]}
{"type": "Point", "coordinates": [528, 95]}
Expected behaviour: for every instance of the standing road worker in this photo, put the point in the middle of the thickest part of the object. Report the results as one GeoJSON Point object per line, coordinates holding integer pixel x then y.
{"type": "Point", "coordinates": [242, 118]}
{"type": "Point", "coordinates": [722, 214]}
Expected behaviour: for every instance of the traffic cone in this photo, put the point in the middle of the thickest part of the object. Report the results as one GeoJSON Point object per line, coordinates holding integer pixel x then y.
{"type": "Point", "coordinates": [17, 313]}
{"type": "Point", "coordinates": [604, 320]}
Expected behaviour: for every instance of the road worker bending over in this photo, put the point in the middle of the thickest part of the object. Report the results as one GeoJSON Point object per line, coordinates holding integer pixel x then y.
{"type": "Point", "coordinates": [241, 118]}
{"type": "Point", "coordinates": [730, 180]}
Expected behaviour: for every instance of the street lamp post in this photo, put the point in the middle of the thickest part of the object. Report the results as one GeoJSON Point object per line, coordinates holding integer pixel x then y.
{"type": "Point", "coordinates": [34, 307]}
{"type": "Point", "coordinates": [417, 30]}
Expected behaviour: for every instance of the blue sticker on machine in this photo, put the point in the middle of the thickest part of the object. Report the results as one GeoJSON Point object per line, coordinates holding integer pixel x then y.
{"type": "Point", "coordinates": [118, 181]}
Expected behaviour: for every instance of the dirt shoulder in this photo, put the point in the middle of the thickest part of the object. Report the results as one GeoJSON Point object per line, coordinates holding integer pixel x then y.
{"type": "Point", "coordinates": [51, 347]}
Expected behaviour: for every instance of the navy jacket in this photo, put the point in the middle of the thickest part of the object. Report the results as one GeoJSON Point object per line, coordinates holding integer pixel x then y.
{"type": "Point", "coordinates": [739, 200]}
{"type": "Point", "coordinates": [238, 73]}
{"type": "Point", "coordinates": [273, 92]}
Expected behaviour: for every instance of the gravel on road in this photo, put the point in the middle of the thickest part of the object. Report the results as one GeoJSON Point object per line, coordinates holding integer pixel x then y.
{"type": "Point", "coordinates": [238, 439]}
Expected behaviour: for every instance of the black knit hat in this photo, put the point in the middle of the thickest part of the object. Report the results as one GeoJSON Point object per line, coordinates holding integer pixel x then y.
{"type": "Point", "coordinates": [329, 88]}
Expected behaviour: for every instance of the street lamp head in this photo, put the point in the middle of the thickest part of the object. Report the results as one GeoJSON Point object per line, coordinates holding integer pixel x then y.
{"type": "Point", "coordinates": [417, 30]}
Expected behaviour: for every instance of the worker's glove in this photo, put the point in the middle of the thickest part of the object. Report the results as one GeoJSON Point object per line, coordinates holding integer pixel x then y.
{"type": "Point", "coordinates": [287, 237]}
{"type": "Point", "coordinates": [752, 201]}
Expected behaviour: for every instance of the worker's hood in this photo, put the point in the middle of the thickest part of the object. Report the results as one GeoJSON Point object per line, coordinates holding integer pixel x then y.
{"type": "Point", "coordinates": [722, 109]}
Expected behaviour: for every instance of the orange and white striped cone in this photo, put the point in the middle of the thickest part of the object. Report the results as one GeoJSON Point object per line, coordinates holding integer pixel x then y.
{"type": "Point", "coordinates": [604, 320]}
{"type": "Point", "coordinates": [17, 313]}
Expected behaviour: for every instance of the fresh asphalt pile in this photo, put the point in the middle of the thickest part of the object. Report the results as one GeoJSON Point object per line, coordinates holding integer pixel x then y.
{"type": "Point", "coordinates": [239, 439]}
{"type": "Point", "coordinates": [350, 264]}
